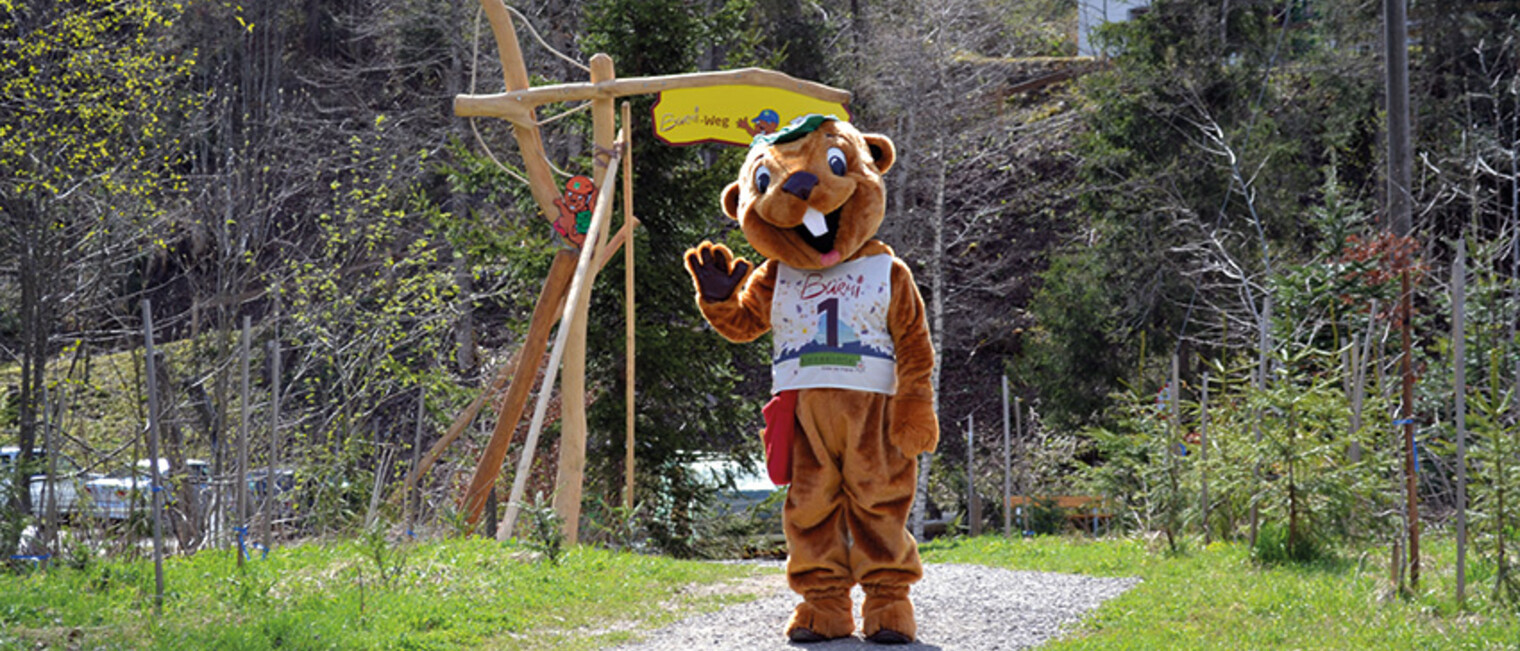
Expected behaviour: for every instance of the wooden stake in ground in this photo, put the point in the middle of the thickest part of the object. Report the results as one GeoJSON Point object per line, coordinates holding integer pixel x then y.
{"type": "Point", "coordinates": [1203, 457]}
{"type": "Point", "coordinates": [1007, 468]}
{"type": "Point", "coordinates": [1406, 418]}
{"type": "Point", "coordinates": [242, 463]}
{"type": "Point", "coordinates": [1264, 348]}
{"type": "Point", "coordinates": [525, 462]}
{"type": "Point", "coordinates": [1028, 490]}
{"type": "Point", "coordinates": [628, 314]}
{"type": "Point", "coordinates": [1459, 415]}
{"type": "Point", "coordinates": [572, 443]}
{"type": "Point", "coordinates": [1395, 25]}
{"type": "Point", "coordinates": [155, 489]}
{"type": "Point", "coordinates": [410, 495]}
{"type": "Point", "coordinates": [271, 481]}
{"type": "Point", "coordinates": [973, 504]}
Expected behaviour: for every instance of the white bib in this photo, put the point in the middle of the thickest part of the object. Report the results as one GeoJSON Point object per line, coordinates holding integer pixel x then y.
{"type": "Point", "coordinates": [830, 327]}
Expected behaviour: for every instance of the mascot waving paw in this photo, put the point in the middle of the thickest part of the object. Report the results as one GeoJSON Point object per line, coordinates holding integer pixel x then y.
{"type": "Point", "coordinates": [850, 368]}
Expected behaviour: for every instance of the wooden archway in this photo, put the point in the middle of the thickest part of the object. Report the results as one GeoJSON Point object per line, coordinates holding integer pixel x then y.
{"type": "Point", "coordinates": [567, 288]}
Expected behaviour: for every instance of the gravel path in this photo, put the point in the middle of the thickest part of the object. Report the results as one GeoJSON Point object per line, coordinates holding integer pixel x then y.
{"type": "Point", "coordinates": [958, 607]}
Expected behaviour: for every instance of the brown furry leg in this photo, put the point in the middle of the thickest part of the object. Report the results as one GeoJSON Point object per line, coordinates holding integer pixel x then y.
{"type": "Point", "coordinates": [888, 614]}
{"type": "Point", "coordinates": [823, 615]}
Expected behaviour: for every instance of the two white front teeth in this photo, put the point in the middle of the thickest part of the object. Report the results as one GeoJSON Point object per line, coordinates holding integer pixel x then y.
{"type": "Point", "coordinates": [815, 222]}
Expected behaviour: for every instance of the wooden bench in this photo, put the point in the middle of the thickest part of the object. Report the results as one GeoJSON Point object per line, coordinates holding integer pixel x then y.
{"type": "Point", "coordinates": [1084, 512]}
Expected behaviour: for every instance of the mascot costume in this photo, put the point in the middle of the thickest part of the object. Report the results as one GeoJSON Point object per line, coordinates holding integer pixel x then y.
{"type": "Point", "coordinates": [853, 401]}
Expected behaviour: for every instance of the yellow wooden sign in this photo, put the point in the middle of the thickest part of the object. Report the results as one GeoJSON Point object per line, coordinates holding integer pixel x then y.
{"type": "Point", "coordinates": [731, 115]}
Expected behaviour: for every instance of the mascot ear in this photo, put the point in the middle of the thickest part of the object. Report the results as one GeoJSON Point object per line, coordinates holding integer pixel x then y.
{"type": "Point", "coordinates": [731, 200]}
{"type": "Point", "coordinates": [882, 151]}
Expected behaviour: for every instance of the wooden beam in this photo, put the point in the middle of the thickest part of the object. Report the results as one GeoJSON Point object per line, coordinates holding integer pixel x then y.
{"type": "Point", "coordinates": [525, 126]}
{"type": "Point", "coordinates": [624, 235]}
{"type": "Point", "coordinates": [572, 444]}
{"type": "Point", "coordinates": [524, 371]}
{"type": "Point", "coordinates": [511, 104]}
{"type": "Point", "coordinates": [629, 223]}
{"type": "Point", "coordinates": [583, 266]}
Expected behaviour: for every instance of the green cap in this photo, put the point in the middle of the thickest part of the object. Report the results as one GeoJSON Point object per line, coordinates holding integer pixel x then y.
{"type": "Point", "coordinates": [795, 130]}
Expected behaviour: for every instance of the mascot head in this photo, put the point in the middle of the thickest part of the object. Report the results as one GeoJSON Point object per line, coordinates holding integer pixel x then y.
{"type": "Point", "coordinates": [811, 194]}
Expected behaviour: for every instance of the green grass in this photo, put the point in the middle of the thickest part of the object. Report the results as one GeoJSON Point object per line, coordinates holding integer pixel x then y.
{"type": "Point", "coordinates": [469, 593]}
{"type": "Point", "coordinates": [1217, 597]}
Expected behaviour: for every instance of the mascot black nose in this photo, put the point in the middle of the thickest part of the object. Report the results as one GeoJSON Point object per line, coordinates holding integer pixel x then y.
{"type": "Point", "coordinates": [800, 184]}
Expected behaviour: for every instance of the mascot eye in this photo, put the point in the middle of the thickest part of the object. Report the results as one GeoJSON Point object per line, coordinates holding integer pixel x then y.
{"type": "Point", "coordinates": [836, 161]}
{"type": "Point", "coordinates": [762, 179]}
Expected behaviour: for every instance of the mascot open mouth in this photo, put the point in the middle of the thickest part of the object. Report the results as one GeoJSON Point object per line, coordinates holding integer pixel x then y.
{"type": "Point", "coordinates": [818, 230]}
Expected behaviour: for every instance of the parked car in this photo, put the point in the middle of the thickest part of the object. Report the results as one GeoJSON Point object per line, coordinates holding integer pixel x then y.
{"type": "Point", "coordinates": [117, 494]}
{"type": "Point", "coordinates": [66, 486]}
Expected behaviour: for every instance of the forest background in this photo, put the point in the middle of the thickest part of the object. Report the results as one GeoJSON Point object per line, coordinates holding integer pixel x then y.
{"type": "Point", "coordinates": [1073, 222]}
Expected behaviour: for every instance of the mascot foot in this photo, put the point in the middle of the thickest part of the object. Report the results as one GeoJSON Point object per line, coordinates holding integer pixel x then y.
{"type": "Point", "coordinates": [823, 615]}
{"type": "Point", "coordinates": [888, 614]}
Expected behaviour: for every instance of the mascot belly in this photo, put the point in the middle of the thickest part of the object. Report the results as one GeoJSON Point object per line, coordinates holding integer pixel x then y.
{"type": "Point", "coordinates": [851, 367]}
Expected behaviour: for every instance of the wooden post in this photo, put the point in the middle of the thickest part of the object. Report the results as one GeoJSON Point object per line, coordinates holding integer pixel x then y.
{"type": "Point", "coordinates": [1028, 490]}
{"type": "Point", "coordinates": [525, 371]}
{"type": "Point", "coordinates": [628, 312]}
{"type": "Point", "coordinates": [272, 480]}
{"type": "Point", "coordinates": [1007, 468]}
{"type": "Point", "coordinates": [1265, 345]}
{"type": "Point", "coordinates": [1174, 460]}
{"type": "Point", "coordinates": [578, 287]}
{"type": "Point", "coordinates": [1203, 456]}
{"type": "Point", "coordinates": [242, 463]}
{"type": "Point", "coordinates": [973, 505]}
{"type": "Point", "coordinates": [1459, 380]}
{"type": "Point", "coordinates": [412, 495]}
{"type": "Point", "coordinates": [572, 444]}
{"type": "Point", "coordinates": [1395, 25]}
{"type": "Point", "coordinates": [514, 74]}
{"type": "Point", "coordinates": [155, 489]}
{"type": "Point", "coordinates": [1411, 481]}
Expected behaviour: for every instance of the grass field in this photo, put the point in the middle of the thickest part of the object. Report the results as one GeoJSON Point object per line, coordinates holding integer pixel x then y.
{"type": "Point", "coordinates": [1218, 598]}
{"type": "Point", "coordinates": [453, 594]}
{"type": "Point", "coordinates": [474, 593]}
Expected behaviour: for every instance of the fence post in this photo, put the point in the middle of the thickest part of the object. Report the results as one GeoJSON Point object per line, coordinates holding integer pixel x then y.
{"type": "Point", "coordinates": [1007, 467]}
{"type": "Point", "coordinates": [1265, 345]}
{"type": "Point", "coordinates": [973, 505]}
{"type": "Point", "coordinates": [242, 462]}
{"type": "Point", "coordinates": [1203, 457]}
{"type": "Point", "coordinates": [1028, 488]}
{"type": "Point", "coordinates": [1459, 363]}
{"type": "Point", "coordinates": [155, 489]}
{"type": "Point", "coordinates": [271, 481]}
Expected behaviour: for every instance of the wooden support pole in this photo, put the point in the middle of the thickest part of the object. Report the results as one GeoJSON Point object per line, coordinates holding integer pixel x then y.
{"type": "Point", "coordinates": [1264, 344]}
{"type": "Point", "coordinates": [156, 488]}
{"type": "Point", "coordinates": [1007, 468]}
{"type": "Point", "coordinates": [973, 505]}
{"type": "Point", "coordinates": [242, 462]}
{"type": "Point", "coordinates": [411, 495]}
{"type": "Point", "coordinates": [272, 484]}
{"type": "Point", "coordinates": [1459, 415]}
{"type": "Point", "coordinates": [1411, 480]}
{"type": "Point", "coordinates": [1028, 483]}
{"type": "Point", "coordinates": [525, 462]}
{"type": "Point", "coordinates": [524, 371]}
{"type": "Point", "coordinates": [572, 443]}
{"type": "Point", "coordinates": [1203, 457]}
{"type": "Point", "coordinates": [525, 127]}
{"type": "Point", "coordinates": [629, 223]}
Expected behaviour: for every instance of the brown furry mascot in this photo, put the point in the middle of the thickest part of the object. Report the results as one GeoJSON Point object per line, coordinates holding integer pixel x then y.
{"type": "Point", "coordinates": [851, 367]}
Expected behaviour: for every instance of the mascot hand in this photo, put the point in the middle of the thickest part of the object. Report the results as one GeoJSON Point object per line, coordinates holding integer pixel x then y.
{"type": "Point", "coordinates": [715, 271]}
{"type": "Point", "coordinates": [914, 428]}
